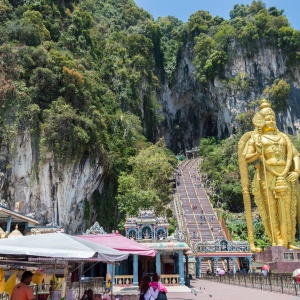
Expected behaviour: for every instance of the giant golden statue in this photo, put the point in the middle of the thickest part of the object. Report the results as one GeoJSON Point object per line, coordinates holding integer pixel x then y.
{"type": "Point", "coordinates": [275, 184]}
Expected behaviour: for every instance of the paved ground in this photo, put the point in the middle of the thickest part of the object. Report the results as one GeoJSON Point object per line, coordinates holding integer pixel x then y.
{"type": "Point", "coordinates": [207, 290]}
{"type": "Point", "coordinates": [218, 291]}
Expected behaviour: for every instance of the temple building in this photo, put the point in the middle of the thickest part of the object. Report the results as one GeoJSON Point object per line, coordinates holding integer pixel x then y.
{"type": "Point", "coordinates": [152, 231]}
{"type": "Point", "coordinates": [151, 250]}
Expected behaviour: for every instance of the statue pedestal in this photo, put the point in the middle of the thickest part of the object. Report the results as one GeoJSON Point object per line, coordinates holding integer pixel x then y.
{"type": "Point", "coordinates": [280, 259]}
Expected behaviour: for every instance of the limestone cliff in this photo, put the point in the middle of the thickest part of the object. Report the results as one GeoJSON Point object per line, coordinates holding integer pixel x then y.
{"type": "Point", "coordinates": [47, 191]}
{"type": "Point", "coordinates": [193, 111]}
{"type": "Point", "coordinates": [54, 193]}
{"type": "Point", "coordinates": [82, 78]}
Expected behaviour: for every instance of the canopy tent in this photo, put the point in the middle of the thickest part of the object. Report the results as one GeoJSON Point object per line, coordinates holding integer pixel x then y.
{"type": "Point", "coordinates": [59, 245]}
{"type": "Point", "coordinates": [119, 242]}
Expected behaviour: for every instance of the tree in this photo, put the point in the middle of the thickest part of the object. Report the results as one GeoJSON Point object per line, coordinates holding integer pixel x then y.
{"type": "Point", "coordinates": [224, 177]}
{"type": "Point", "coordinates": [209, 60]}
{"type": "Point", "coordinates": [199, 22]}
{"type": "Point", "coordinates": [32, 31]}
{"type": "Point", "coordinates": [278, 94]}
{"type": "Point", "coordinates": [147, 183]}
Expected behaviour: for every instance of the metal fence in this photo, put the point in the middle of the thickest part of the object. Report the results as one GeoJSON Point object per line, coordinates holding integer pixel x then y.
{"type": "Point", "coordinates": [280, 283]}
{"type": "Point", "coordinates": [96, 284]}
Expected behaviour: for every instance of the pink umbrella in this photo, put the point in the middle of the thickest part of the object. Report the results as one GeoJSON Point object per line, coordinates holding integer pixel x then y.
{"type": "Point", "coordinates": [221, 272]}
{"type": "Point", "coordinates": [265, 267]}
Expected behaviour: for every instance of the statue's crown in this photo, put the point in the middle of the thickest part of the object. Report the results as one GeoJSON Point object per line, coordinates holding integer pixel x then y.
{"type": "Point", "coordinates": [265, 108]}
{"type": "Point", "coordinates": [264, 104]}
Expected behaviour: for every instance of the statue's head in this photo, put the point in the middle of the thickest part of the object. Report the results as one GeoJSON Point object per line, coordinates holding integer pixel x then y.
{"type": "Point", "coordinates": [265, 108]}
{"type": "Point", "coordinates": [259, 119]}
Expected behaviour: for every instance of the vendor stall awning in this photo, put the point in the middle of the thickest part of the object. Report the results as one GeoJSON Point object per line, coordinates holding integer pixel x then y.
{"type": "Point", "coordinates": [59, 245]}
{"type": "Point", "coordinates": [119, 242]}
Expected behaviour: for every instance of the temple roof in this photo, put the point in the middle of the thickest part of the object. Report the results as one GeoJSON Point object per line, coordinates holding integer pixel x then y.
{"type": "Point", "coordinates": [146, 216]}
{"type": "Point", "coordinates": [16, 217]}
{"type": "Point", "coordinates": [171, 245]}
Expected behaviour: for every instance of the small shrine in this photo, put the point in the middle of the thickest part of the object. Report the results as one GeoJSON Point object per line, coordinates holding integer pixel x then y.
{"type": "Point", "coordinates": [152, 231]}
{"type": "Point", "coordinates": [149, 230]}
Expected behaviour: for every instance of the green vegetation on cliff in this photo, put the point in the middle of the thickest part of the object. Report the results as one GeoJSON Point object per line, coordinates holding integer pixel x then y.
{"type": "Point", "coordinates": [83, 77]}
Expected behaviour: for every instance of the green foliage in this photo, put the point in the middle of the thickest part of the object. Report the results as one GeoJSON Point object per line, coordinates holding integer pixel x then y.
{"type": "Point", "coordinates": [209, 60]}
{"type": "Point", "coordinates": [224, 34]}
{"type": "Point", "coordinates": [30, 29]}
{"type": "Point", "coordinates": [278, 94]}
{"type": "Point", "coordinates": [171, 42]}
{"type": "Point", "coordinates": [236, 224]}
{"type": "Point", "coordinates": [245, 121]}
{"type": "Point", "coordinates": [224, 177]}
{"type": "Point", "coordinates": [82, 77]}
{"type": "Point", "coordinates": [172, 226]}
{"type": "Point", "coordinates": [239, 10]}
{"type": "Point", "coordinates": [199, 22]}
{"type": "Point", "coordinates": [147, 183]}
{"type": "Point", "coordinates": [66, 132]}
{"type": "Point", "coordinates": [289, 41]}
{"type": "Point", "coordinates": [241, 82]}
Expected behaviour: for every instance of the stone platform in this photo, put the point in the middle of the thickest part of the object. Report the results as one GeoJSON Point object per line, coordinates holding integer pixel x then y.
{"type": "Point", "coordinates": [280, 259]}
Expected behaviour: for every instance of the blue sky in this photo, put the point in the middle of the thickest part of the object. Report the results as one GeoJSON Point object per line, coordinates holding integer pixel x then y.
{"type": "Point", "coordinates": [182, 9]}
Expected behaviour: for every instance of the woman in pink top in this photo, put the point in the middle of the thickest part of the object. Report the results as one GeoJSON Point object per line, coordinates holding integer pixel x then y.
{"type": "Point", "coordinates": [162, 290]}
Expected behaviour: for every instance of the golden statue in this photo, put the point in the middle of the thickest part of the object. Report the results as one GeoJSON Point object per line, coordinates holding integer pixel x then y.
{"type": "Point", "coordinates": [275, 184]}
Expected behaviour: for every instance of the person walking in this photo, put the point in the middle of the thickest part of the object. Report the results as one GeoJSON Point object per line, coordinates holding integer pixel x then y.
{"type": "Point", "coordinates": [88, 295]}
{"type": "Point", "coordinates": [162, 290]}
{"type": "Point", "coordinates": [146, 291]}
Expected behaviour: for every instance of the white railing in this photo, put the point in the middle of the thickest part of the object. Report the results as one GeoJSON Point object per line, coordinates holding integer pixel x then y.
{"type": "Point", "coordinates": [172, 279]}
{"type": "Point", "coordinates": [123, 280]}
{"type": "Point", "coordinates": [126, 280]}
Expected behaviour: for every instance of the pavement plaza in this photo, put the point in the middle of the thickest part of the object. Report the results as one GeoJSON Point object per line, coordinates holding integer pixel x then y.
{"type": "Point", "coordinates": [207, 290]}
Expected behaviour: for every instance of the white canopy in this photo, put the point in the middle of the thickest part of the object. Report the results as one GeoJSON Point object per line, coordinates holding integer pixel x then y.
{"type": "Point", "coordinates": [59, 245]}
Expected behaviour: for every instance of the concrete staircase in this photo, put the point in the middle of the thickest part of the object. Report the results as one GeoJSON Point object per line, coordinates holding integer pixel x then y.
{"type": "Point", "coordinates": [196, 217]}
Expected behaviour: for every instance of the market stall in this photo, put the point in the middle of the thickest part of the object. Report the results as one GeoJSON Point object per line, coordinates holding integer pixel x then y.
{"type": "Point", "coordinates": [56, 248]}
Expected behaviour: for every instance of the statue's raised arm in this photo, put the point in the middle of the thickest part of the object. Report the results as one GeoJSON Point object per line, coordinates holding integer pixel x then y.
{"type": "Point", "coordinates": [275, 184]}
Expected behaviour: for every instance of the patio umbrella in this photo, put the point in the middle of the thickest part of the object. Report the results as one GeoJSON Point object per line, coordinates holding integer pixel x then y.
{"type": "Point", "coordinates": [59, 245]}
{"type": "Point", "coordinates": [265, 267]}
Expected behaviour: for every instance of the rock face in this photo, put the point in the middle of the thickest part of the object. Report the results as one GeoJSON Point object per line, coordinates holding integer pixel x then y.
{"type": "Point", "coordinates": [55, 193]}
{"type": "Point", "coordinates": [49, 192]}
{"type": "Point", "coordinates": [193, 111]}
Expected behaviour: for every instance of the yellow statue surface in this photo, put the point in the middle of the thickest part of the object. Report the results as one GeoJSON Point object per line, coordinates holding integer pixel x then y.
{"type": "Point", "coordinates": [275, 184]}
